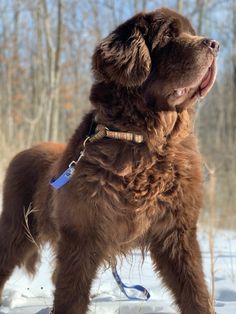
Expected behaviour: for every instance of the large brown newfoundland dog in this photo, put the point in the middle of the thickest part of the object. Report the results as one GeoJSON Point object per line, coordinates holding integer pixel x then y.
{"type": "Point", "coordinates": [138, 182]}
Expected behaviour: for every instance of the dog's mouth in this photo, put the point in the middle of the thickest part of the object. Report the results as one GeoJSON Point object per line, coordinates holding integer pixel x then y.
{"type": "Point", "coordinates": [208, 80]}
{"type": "Point", "coordinates": [204, 85]}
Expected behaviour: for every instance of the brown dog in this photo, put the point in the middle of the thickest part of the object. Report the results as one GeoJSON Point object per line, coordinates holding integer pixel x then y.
{"type": "Point", "coordinates": [137, 185]}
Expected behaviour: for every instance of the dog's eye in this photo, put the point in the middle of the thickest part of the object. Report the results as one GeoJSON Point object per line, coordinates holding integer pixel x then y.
{"type": "Point", "coordinates": [167, 36]}
{"type": "Point", "coordinates": [173, 30]}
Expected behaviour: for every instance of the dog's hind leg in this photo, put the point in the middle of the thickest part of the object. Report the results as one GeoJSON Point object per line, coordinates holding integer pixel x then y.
{"type": "Point", "coordinates": [19, 226]}
{"type": "Point", "coordinates": [16, 247]}
{"type": "Point", "coordinates": [15, 250]}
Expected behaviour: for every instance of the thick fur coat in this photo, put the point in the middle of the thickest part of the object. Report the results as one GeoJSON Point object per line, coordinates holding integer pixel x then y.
{"type": "Point", "coordinates": [149, 73]}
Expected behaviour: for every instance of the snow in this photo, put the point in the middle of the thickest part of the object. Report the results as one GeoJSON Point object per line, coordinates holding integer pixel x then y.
{"type": "Point", "coordinates": [24, 295]}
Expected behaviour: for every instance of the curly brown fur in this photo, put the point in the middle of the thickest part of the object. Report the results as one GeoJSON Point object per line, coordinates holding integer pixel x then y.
{"type": "Point", "coordinates": [148, 75]}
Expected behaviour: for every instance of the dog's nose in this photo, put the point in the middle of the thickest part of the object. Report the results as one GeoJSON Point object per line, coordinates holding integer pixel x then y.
{"type": "Point", "coordinates": [212, 44]}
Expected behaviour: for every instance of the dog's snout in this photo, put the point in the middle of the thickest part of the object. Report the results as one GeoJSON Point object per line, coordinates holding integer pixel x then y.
{"type": "Point", "coordinates": [212, 44]}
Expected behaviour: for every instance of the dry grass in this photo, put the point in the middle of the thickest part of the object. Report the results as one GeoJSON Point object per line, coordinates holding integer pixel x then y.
{"type": "Point", "coordinates": [27, 212]}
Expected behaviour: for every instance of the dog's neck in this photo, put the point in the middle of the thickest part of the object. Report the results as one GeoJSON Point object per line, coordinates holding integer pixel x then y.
{"type": "Point", "coordinates": [127, 110]}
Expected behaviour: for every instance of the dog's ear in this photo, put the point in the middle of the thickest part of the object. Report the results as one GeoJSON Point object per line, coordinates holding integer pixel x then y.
{"type": "Point", "coordinates": [123, 57]}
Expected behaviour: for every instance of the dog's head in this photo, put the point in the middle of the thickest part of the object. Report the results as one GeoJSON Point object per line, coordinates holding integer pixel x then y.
{"type": "Point", "coordinates": [160, 53]}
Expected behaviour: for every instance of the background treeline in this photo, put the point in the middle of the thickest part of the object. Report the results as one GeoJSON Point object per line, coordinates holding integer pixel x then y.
{"type": "Point", "coordinates": [45, 49]}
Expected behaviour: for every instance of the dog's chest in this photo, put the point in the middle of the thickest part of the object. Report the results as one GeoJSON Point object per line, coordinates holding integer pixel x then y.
{"type": "Point", "coordinates": [124, 200]}
{"type": "Point", "coordinates": [131, 183]}
{"type": "Point", "coordinates": [155, 181]}
{"type": "Point", "coordinates": [140, 201]}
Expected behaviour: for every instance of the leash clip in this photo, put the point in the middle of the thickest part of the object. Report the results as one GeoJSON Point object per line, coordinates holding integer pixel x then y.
{"type": "Point", "coordinates": [81, 154]}
{"type": "Point", "coordinates": [66, 176]}
{"type": "Point", "coordinates": [75, 162]}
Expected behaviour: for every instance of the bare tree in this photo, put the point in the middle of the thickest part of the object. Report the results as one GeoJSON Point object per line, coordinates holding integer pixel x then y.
{"type": "Point", "coordinates": [179, 6]}
{"type": "Point", "coordinates": [234, 75]}
{"type": "Point", "coordinates": [54, 53]}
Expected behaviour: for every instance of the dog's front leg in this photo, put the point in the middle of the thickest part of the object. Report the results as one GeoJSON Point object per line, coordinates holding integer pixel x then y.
{"type": "Point", "coordinates": [177, 257]}
{"type": "Point", "coordinates": [77, 262]}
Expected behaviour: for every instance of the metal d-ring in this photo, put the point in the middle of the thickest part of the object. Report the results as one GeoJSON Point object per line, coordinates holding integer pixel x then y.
{"type": "Point", "coordinates": [86, 140]}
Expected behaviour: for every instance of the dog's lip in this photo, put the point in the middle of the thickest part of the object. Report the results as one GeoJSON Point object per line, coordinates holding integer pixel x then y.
{"type": "Point", "coordinates": [202, 88]}
{"type": "Point", "coordinates": [208, 80]}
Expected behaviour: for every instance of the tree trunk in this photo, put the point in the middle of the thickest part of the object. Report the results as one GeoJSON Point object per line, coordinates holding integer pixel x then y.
{"type": "Point", "coordinates": [234, 78]}
{"type": "Point", "coordinates": [52, 110]}
{"type": "Point", "coordinates": [179, 6]}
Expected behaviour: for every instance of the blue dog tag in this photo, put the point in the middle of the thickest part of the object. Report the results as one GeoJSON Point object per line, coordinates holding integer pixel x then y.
{"type": "Point", "coordinates": [63, 179]}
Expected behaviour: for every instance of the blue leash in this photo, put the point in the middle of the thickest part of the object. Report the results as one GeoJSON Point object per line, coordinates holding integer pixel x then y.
{"type": "Point", "coordinates": [122, 287]}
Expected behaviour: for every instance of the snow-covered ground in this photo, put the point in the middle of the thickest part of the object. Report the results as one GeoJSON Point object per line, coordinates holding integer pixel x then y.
{"type": "Point", "coordinates": [23, 295]}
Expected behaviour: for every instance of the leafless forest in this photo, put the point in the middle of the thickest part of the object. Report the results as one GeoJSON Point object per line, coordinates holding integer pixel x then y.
{"type": "Point", "coordinates": [45, 49]}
